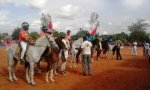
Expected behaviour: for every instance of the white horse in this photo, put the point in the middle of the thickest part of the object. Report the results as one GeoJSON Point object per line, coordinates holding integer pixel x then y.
{"type": "Point", "coordinates": [33, 56]}
{"type": "Point", "coordinates": [75, 46]}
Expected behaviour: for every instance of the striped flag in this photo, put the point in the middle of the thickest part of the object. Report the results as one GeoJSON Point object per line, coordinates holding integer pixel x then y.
{"type": "Point", "coordinates": [50, 25]}
{"type": "Point", "coordinates": [93, 32]}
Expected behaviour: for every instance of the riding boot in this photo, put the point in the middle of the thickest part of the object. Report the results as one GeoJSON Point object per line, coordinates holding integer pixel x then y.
{"type": "Point", "coordinates": [21, 61]}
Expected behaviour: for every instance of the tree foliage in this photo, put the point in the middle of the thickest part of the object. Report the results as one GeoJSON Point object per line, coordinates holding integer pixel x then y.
{"type": "Point", "coordinates": [34, 35]}
{"type": "Point", "coordinates": [80, 34]}
{"type": "Point", "coordinates": [15, 34]}
{"type": "Point", "coordinates": [45, 19]}
{"type": "Point", "coordinates": [138, 31]}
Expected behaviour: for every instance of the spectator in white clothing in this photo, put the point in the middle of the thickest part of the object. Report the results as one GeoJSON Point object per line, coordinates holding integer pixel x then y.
{"type": "Point", "coordinates": [86, 58]}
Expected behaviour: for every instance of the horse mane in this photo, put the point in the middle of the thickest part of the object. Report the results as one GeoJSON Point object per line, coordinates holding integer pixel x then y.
{"type": "Point", "coordinates": [40, 40]}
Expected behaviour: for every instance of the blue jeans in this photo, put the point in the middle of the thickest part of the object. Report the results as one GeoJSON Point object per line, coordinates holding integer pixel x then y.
{"type": "Point", "coordinates": [86, 64]}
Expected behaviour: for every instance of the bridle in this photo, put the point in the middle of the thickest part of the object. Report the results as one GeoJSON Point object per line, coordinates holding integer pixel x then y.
{"type": "Point", "coordinates": [52, 45]}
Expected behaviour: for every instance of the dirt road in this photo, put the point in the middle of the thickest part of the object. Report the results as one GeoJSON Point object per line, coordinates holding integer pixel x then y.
{"type": "Point", "coordinates": [131, 73]}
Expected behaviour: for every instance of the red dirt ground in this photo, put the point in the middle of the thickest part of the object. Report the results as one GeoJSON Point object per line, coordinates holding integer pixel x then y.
{"type": "Point", "coordinates": [131, 73]}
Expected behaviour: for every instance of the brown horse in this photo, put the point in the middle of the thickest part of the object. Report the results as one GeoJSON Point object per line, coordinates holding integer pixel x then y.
{"type": "Point", "coordinates": [51, 57]}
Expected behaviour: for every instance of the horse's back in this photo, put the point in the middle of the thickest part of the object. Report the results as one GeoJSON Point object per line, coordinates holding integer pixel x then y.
{"type": "Point", "coordinates": [12, 49]}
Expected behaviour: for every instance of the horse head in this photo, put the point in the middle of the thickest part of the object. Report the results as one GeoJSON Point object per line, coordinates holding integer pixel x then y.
{"type": "Point", "coordinates": [60, 43]}
{"type": "Point", "coordinates": [48, 41]}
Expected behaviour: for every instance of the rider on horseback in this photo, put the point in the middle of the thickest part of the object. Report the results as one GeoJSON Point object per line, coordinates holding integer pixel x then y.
{"type": "Point", "coordinates": [68, 37]}
{"type": "Point", "coordinates": [44, 30]}
{"type": "Point", "coordinates": [23, 38]}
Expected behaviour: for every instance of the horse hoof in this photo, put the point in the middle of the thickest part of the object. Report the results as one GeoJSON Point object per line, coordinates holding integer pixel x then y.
{"type": "Point", "coordinates": [15, 79]}
{"type": "Point", "coordinates": [33, 84]}
{"type": "Point", "coordinates": [52, 81]}
{"type": "Point", "coordinates": [56, 74]}
{"type": "Point", "coordinates": [11, 80]}
{"type": "Point", "coordinates": [28, 82]}
{"type": "Point", "coordinates": [47, 81]}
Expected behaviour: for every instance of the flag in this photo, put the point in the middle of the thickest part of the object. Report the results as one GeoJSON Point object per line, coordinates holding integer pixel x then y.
{"type": "Point", "coordinates": [93, 32]}
{"type": "Point", "coordinates": [50, 25]}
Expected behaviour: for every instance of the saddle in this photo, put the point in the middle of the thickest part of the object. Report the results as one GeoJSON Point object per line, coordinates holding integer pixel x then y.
{"type": "Point", "coordinates": [19, 49]}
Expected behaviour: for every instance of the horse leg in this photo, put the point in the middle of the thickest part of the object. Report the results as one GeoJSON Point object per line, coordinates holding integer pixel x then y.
{"type": "Point", "coordinates": [74, 61]}
{"type": "Point", "coordinates": [77, 56]}
{"type": "Point", "coordinates": [47, 72]}
{"type": "Point", "coordinates": [63, 66]}
{"type": "Point", "coordinates": [55, 68]}
{"type": "Point", "coordinates": [51, 75]}
{"type": "Point", "coordinates": [98, 54]}
{"type": "Point", "coordinates": [27, 75]}
{"type": "Point", "coordinates": [46, 78]}
{"type": "Point", "coordinates": [72, 57]}
{"type": "Point", "coordinates": [27, 72]}
{"type": "Point", "coordinates": [13, 69]}
{"type": "Point", "coordinates": [10, 66]}
{"type": "Point", "coordinates": [32, 74]}
{"type": "Point", "coordinates": [39, 68]}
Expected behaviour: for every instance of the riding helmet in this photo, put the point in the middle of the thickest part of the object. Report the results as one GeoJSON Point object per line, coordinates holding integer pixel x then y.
{"type": "Point", "coordinates": [25, 25]}
{"type": "Point", "coordinates": [44, 29]}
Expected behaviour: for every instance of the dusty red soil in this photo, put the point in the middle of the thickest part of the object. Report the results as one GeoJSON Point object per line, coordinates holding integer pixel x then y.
{"type": "Point", "coordinates": [131, 73]}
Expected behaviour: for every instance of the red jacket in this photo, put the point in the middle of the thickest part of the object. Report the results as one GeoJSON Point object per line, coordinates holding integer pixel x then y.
{"type": "Point", "coordinates": [23, 35]}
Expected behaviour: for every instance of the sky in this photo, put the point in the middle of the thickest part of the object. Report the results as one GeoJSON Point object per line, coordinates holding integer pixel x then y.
{"type": "Point", "coordinates": [114, 15]}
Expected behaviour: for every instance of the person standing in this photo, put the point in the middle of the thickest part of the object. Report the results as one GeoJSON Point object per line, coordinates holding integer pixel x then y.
{"type": "Point", "coordinates": [86, 57]}
{"type": "Point", "coordinates": [99, 48]}
{"type": "Point", "coordinates": [146, 47]}
{"type": "Point", "coordinates": [118, 45]}
{"type": "Point", "coordinates": [134, 48]}
{"type": "Point", "coordinates": [23, 39]}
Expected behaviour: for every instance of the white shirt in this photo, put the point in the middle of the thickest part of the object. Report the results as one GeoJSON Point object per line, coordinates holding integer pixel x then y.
{"type": "Point", "coordinates": [146, 45]}
{"type": "Point", "coordinates": [86, 46]}
{"type": "Point", "coordinates": [100, 44]}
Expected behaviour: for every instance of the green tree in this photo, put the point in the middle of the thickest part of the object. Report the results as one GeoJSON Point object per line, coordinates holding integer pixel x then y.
{"type": "Point", "coordinates": [61, 34]}
{"type": "Point", "coordinates": [15, 34]}
{"type": "Point", "coordinates": [56, 34]}
{"type": "Point", "coordinates": [34, 35]}
{"type": "Point", "coordinates": [138, 31]}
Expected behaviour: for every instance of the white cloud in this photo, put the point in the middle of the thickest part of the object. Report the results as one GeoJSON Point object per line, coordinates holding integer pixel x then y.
{"type": "Point", "coordinates": [56, 25]}
{"type": "Point", "coordinates": [37, 3]}
{"type": "Point", "coordinates": [28, 3]}
{"type": "Point", "coordinates": [105, 33]}
{"type": "Point", "coordinates": [4, 19]}
{"type": "Point", "coordinates": [69, 11]}
{"type": "Point", "coordinates": [5, 1]}
{"type": "Point", "coordinates": [35, 25]}
{"type": "Point", "coordinates": [6, 25]}
{"type": "Point", "coordinates": [133, 3]}
{"type": "Point", "coordinates": [110, 23]}
{"type": "Point", "coordinates": [147, 21]}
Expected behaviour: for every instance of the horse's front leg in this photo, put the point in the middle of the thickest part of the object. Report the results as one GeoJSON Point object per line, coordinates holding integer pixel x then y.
{"type": "Point", "coordinates": [51, 75]}
{"type": "Point", "coordinates": [10, 73]}
{"type": "Point", "coordinates": [13, 70]}
{"type": "Point", "coordinates": [10, 66]}
{"type": "Point", "coordinates": [55, 68]}
{"type": "Point", "coordinates": [32, 74]}
{"type": "Point", "coordinates": [47, 72]}
{"type": "Point", "coordinates": [63, 67]}
{"type": "Point", "coordinates": [74, 61]}
{"type": "Point", "coordinates": [39, 68]}
{"type": "Point", "coordinates": [27, 75]}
